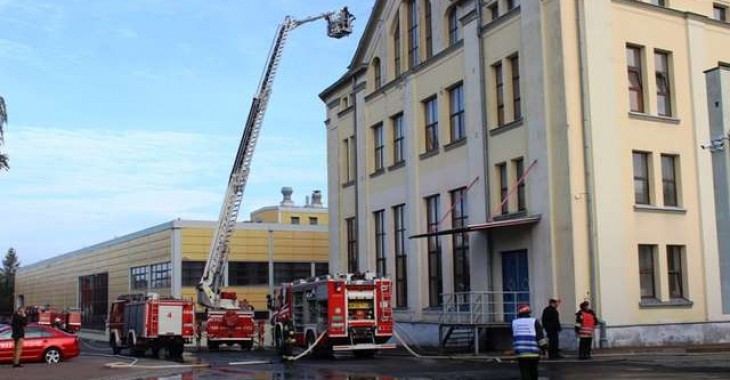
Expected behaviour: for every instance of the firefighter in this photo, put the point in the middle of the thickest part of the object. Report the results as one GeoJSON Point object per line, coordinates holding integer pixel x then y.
{"type": "Point", "coordinates": [585, 324]}
{"type": "Point", "coordinates": [528, 341]}
{"type": "Point", "coordinates": [551, 322]}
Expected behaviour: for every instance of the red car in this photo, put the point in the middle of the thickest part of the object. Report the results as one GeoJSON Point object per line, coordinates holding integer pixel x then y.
{"type": "Point", "coordinates": [41, 343]}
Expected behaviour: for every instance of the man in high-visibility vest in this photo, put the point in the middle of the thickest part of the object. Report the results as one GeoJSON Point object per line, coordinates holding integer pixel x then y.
{"type": "Point", "coordinates": [585, 324]}
{"type": "Point", "coordinates": [528, 342]}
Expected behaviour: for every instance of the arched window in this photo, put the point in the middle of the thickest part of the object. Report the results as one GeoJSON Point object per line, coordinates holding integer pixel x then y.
{"type": "Point", "coordinates": [413, 35]}
{"type": "Point", "coordinates": [428, 27]}
{"type": "Point", "coordinates": [377, 73]}
{"type": "Point", "coordinates": [396, 46]}
{"type": "Point", "coordinates": [454, 30]}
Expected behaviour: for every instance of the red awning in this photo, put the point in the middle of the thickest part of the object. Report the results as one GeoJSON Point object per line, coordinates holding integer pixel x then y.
{"type": "Point", "coordinates": [515, 222]}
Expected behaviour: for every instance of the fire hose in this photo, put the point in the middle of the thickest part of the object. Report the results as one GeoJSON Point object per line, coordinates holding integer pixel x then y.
{"type": "Point", "coordinates": [307, 351]}
{"type": "Point", "coordinates": [133, 363]}
{"type": "Point", "coordinates": [414, 353]}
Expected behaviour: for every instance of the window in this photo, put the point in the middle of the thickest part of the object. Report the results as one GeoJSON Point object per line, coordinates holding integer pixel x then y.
{"type": "Point", "coordinates": [138, 278]}
{"type": "Point", "coordinates": [499, 87]}
{"type": "Point", "coordinates": [646, 271]}
{"type": "Point", "coordinates": [288, 272]}
{"type": "Point", "coordinates": [663, 95]}
{"type": "Point", "coordinates": [248, 273]}
{"type": "Point", "coordinates": [719, 12]}
{"type": "Point", "coordinates": [351, 245]}
{"type": "Point", "coordinates": [413, 54]}
{"type": "Point", "coordinates": [641, 178]}
{"type": "Point", "coordinates": [494, 11]}
{"type": "Point", "coordinates": [516, 95]}
{"type": "Point", "coordinates": [321, 269]}
{"type": "Point", "coordinates": [519, 172]}
{"type": "Point", "coordinates": [401, 262]}
{"type": "Point", "coordinates": [669, 180]}
{"type": "Point", "coordinates": [454, 33]}
{"type": "Point", "coordinates": [675, 271]}
{"type": "Point", "coordinates": [503, 187]}
{"type": "Point", "coordinates": [346, 156]}
{"type": "Point", "coordinates": [398, 138]}
{"type": "Point", "coordinates": [435, 287]}
{"type": "Point", "coordinates": [636, 89]}
{"type": "Point", "coordinates": [456, 100]}
{"type": "Point", "coordinates": [161, 275]}
{"type": "Point", "coordinates": [94, 300]}
{"type": "Point", "coordinates": [313, 221]}
{"type": "Point", "coordinates": [511, 4]}
{"type": "Point", "coordinates": [380, 258]}
{"type": "Point", "coordinates": [429, 29]}
{"type": "Point", "coordinates": [377, 73]}
{"type": "Point", "coordinates": [192, 272]}
{"type": "Point", "coordinates": [460, 240]}
{"type": "Point", "coordinates": [294, 220]}
{"type": "Point", "coordinates": [661, 3]}
{"type": "Point", "coordinates": [396, 46]}
{"type": "Point", "coordinates": [432, 124]}
{"type": "Point", "coordinates": [378, 148]}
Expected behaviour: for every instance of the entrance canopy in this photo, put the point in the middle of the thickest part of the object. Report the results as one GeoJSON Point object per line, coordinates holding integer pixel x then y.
{"type": "Point", "coordinates": [514, 222]}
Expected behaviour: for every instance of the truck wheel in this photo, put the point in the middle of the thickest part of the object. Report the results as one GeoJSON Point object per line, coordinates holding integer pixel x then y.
{"type": "Point", "coordinates": [247, 345]}
{"type": "Point", "coordinates": [310, 341]}
{"type": "Point", "coordinates": [116, 350]}
{"type": "Point", "coordinates": [279, 341]}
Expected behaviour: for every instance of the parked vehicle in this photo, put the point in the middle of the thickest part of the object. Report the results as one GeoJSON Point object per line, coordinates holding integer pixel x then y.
{"type": "Point", "coordinates": [41, 343]}
{"type": "Point", "coordinates": [350, 312]}
{"type": "Point", "coordinates": [140, 322]}
{"type": "Point", "coordinates": [68, 320]}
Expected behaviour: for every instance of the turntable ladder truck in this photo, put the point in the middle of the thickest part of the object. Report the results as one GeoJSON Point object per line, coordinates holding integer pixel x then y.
{"type": "Point", "coordinates": [226, 322]}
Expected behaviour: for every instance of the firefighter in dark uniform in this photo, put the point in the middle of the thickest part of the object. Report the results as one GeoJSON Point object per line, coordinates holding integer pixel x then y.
{"type": "Point", "coordinates": [551, 323]}
{"type": "Point", "coordinates": [528, 342]}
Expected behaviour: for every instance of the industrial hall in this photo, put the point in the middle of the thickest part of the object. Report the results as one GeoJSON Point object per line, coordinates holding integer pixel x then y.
{"type": "Point", "coordinates": [278, 244]}
{"type": "Point", "coordinates": [492, 153]}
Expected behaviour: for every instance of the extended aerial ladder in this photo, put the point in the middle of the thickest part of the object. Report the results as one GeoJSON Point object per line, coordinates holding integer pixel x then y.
{"type": "Point", "coordinates": [339, 24]}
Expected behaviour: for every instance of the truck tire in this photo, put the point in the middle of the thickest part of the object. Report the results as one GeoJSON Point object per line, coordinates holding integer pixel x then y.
{"type": "Point", "coordinates": [279, 341]}
{"type": "Point", "coordinates": [116, 350]}
{"type": "Point", "coordinates": [310, 341]}
{"type": "Point", "coordinates": [247, 345]}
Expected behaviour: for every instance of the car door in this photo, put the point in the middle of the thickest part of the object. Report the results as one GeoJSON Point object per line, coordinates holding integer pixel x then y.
{"type": "Point", "coordinates": [33, 344]}
{"type": "Point", "coordinates": [6, 345]}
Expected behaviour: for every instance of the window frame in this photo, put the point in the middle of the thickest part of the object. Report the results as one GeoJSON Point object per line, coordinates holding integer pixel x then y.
{"type": "Point", "coordinates": [638, 72]}
{"type": "Point", "coordinates": [647, 275]}
{"type": "Point", "coordinates": [675, 271]}
{"type": "Point", "coordinates": [351, 236]}
{"type": "Point", "coordinates": [397, 47]}
{"type": "Point", "coordinates": [381, 259]}
{"type": "Point", "coordinates": [134, 277]}
{"type": "Point", "coordinates": [377, 73]}
{"type": "Point", "coordinates": [503, 187]}
{"type": "Point", "coordinates": [428, 20]}
{"type": "Point", "coordinates": [514, 62]}
{"type": "Point", "coordinates": [663, 82]}
{"type": "Point", "coordinates": [519, 165]}
{"type": "Point", "coordinates": [671, 184]}
{"type": "Point", "coordinates": [499, 91]}
{"type": "Point", "coordinates": [456, 113]}
{"type": "Point", "coordinates": [453, 23]}
{"type": "Point", "coordinates": [378, 148]}
{"type": "Point", "coordinates": [248, 273]}
{"type": "Point", "coordinates": [435, 267]}
{"type": "Point", "coordinates": [398, 138]}
{"type": "Point", "coordinates": [414, 58]}
{"type": "Point", "coordinates": [192, 272]}
{"type": "Point", "coordinates": [161, 275]}
{"type": "Point", "coordinates": [460, 240]}
{"type": "Point", "coordinates": [431, 124]}
{"type": "Point", "coordinates": [722, 15]}
{"type": "Point", "coordinates": [401, 257]}
{"type": "Point", "coordinates": [644, 177]}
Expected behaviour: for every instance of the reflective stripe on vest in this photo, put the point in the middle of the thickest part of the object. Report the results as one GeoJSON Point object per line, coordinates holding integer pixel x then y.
{"type": "Point", "coordinates": [525, 337]}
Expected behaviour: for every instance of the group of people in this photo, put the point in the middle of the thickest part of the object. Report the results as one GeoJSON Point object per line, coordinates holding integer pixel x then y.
{"type": "Point", "coordinates": [530, 342]}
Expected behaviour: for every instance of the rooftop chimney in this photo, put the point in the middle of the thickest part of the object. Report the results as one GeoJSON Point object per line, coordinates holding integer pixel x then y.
{"type": "Point", "coordinates": [317, 199]}
{"type": "Point", "coordinates": [286, 192]}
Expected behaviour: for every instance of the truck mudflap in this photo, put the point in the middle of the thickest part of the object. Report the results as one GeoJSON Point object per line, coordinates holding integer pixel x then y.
{"type": "Point", "coordinates": [363, 346]}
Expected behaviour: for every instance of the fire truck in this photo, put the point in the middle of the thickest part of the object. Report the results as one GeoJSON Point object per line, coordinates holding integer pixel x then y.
{"type": "Point", "coordinates": [226, 322]}
{"type": "Point", "coordinates": [145, 321]}
{"type": "Point", "coordinates": [68, 320]}
{"type": "Point", "coordinates": [349, 312]}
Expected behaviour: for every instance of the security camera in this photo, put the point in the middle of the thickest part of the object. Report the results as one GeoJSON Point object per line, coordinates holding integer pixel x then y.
{"type": "Point", "coordinates": [715, 144]}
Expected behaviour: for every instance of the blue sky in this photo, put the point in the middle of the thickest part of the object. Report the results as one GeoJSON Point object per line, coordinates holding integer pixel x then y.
{"type": "Point", "coordinates": [127, 114]}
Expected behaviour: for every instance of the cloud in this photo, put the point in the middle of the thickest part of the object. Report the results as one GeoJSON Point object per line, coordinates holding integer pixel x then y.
{"type": "Point", "coordinates": [80, 187]}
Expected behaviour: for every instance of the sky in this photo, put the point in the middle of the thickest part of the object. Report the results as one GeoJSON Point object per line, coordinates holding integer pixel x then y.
{"type": "Point", "coordinates": [125, 114]}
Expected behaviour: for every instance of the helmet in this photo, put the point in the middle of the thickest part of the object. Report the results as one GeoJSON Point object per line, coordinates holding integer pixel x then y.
{"type": "Point", "coordinates": [523, 309]}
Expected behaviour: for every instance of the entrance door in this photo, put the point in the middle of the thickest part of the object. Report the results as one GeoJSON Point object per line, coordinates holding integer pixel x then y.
{"type": "Point", "coordinates": [515, 282]}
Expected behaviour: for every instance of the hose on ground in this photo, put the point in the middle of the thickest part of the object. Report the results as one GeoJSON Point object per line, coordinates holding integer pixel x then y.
{"type": "Point", "coordinates": [134, 361]}
{"type": "Point", "coordinates": [307, 351]}
{"type": "Point", "coordinates": [414, 353]}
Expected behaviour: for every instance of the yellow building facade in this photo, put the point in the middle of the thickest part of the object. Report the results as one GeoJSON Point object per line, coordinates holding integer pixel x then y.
{"type": "Point", "coordinates": [280, 243]}
{"type": "Point", "coordinates": [497, 152]}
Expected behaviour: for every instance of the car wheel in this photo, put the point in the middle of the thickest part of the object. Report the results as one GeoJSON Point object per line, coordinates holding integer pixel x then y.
{"type": "Point", "coordinates": [52, 356]}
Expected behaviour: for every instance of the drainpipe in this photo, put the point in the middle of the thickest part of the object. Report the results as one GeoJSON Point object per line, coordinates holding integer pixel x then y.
{"type": "Point", "coordinates": [356, 174]}
{"type": "Point", "coordinates": [485, 131]}
{"type": "Point", "coordinates": [588, 173]}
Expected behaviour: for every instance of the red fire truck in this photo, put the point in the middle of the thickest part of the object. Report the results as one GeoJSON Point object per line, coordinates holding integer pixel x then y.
{"type": "Point", "coordinates": [229, 326]}
{"type": "Point", "coordinates": [353, 312]}
{"type": "Point", "coordinates": [68, 320]}
{"type": "Point", "coordinates": [145, 321]}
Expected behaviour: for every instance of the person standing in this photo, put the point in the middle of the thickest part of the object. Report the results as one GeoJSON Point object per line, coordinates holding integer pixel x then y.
{"type": "Point", "coordinates": [585, 325]}
{"type": "Point", "coordinates": [528, 341]}
{"type": "Point", "coordinates": [18, 325]}
{"type": "Point", "coordinates": [551, 323]}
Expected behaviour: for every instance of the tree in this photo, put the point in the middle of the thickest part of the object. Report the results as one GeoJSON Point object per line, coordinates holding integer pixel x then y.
{"type": "Point", "coordinates": [7, 287]}
{"type": "Point", "coordinates": [3, 121]}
